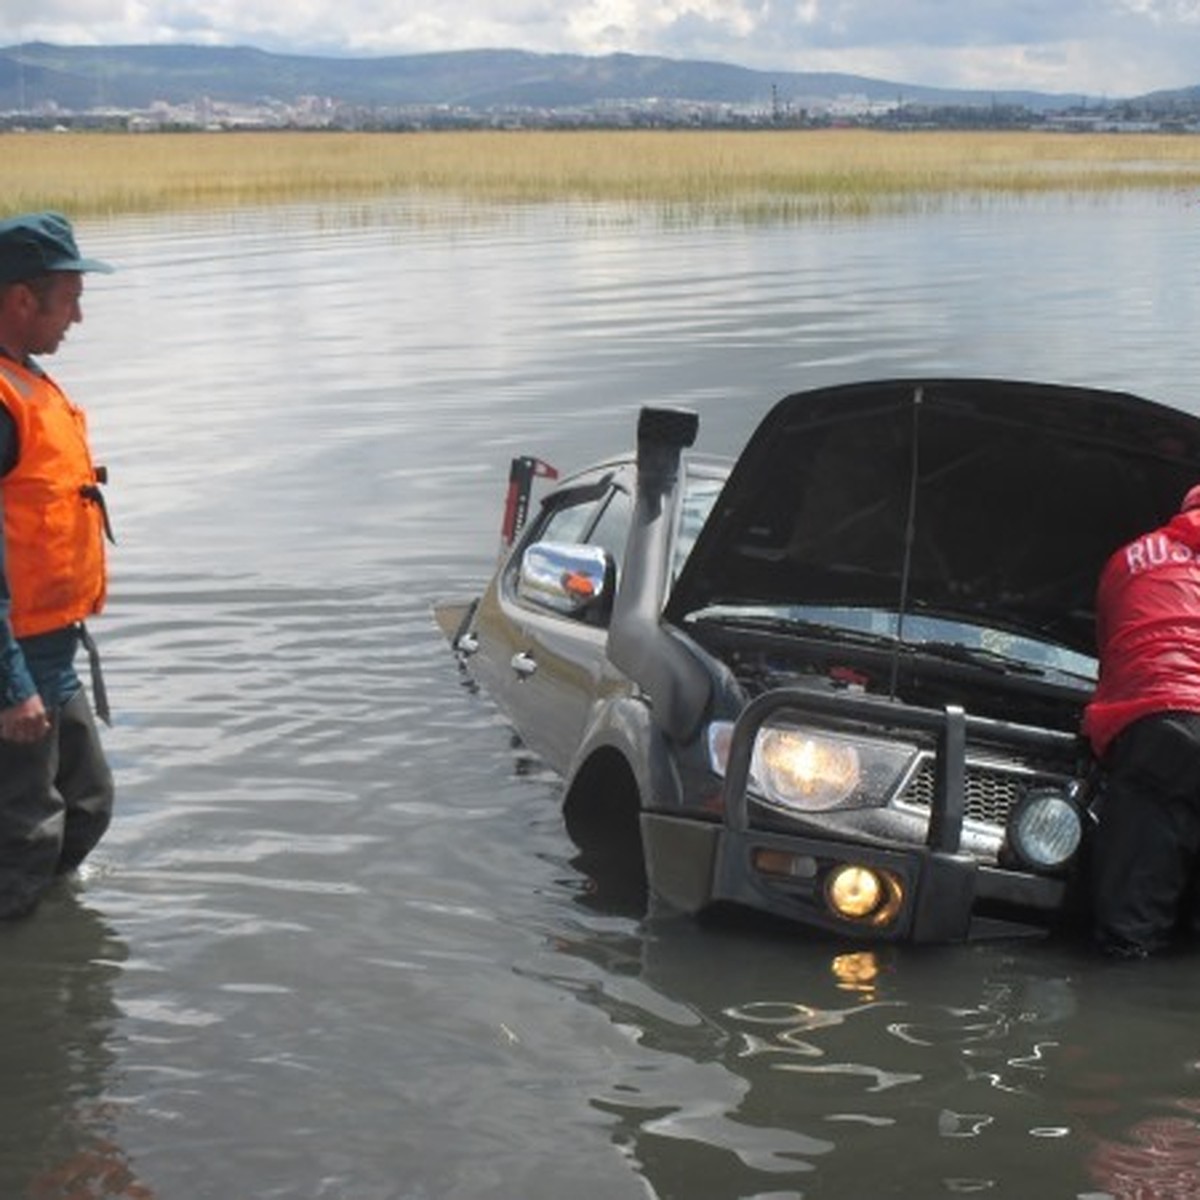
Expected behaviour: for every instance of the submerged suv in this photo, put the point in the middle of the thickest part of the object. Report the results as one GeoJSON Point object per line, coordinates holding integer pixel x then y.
{"type": "Point", "coordinates": [839, 680]}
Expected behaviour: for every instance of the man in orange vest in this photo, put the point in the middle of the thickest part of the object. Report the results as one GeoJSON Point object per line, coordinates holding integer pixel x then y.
{"type": "Point", "coordinates": [56, 789]}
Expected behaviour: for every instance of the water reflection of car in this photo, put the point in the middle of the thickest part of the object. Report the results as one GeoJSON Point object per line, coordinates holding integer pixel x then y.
{"type": "Point", "coordinates": [839, 680]}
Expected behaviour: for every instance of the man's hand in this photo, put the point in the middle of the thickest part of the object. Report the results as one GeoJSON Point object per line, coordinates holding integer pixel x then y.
{"type": "Point", "coordinates": [25, 722]}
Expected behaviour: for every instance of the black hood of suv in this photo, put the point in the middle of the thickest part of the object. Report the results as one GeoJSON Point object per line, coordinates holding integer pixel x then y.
{"type": "Point", "coordinates": [993, 501]}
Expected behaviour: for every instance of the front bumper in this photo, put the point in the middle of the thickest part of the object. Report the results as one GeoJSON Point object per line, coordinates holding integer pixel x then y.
{"type": "Point", "coordinates": [937, 892]}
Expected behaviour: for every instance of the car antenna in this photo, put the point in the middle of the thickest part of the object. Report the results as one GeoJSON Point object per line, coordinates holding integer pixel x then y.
{"type": "Point", "coordinates": [910, 535]}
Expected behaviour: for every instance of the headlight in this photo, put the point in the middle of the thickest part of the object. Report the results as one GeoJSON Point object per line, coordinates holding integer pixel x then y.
{"type": "Point", "coordinates": [1044, 829]}
{"type": "Point", "coordinates": [813, 770]}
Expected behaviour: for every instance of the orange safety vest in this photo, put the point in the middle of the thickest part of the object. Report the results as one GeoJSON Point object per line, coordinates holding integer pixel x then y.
{"type": "Point", "coordinates": [54, 521]}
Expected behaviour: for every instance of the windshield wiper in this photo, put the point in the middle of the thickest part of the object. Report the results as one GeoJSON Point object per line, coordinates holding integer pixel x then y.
{"type": "Point", "coordinates": [993, 660]}
{"type": "Point", "coordinates": [793, 625]}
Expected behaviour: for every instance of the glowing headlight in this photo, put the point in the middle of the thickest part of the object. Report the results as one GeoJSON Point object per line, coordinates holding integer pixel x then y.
{"type": "Point", "coordinates": [1044, 829]}
{"type": "Point", "coordinates": [814, 770]}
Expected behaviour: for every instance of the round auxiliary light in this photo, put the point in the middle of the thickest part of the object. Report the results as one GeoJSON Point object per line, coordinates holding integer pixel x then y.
{"type": "Point", "coordinates": [855, 892]}
{"type": "Point", "coordinates": [864, 894]}
{"type": "Point", "coordinates": [1044, 829]}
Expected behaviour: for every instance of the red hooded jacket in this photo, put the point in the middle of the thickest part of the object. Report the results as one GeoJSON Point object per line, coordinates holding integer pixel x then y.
{"type": "Point", "coordinates": [1148, 630]}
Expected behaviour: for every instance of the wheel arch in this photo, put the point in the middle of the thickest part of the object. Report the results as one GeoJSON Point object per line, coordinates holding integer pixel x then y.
{"type": "Point", "coordinates": [623, 767]}
{"type": "Point", "coordinates": [603, 791]}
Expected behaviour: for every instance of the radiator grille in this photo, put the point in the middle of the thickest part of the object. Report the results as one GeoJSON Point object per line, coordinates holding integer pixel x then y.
{"type": "Point", "coordinates": [991, 789]}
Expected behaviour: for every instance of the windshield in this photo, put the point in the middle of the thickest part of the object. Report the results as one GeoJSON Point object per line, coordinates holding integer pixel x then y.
{"type": "Point", "coordinates": [941, 634]}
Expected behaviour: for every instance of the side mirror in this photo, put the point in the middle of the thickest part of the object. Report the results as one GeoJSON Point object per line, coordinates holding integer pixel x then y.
{"type": "Point", "coordinates": [574, 580]}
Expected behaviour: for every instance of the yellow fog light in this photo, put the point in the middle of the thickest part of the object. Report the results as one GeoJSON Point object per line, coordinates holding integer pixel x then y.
{"type": "Point", "coordinates": [863, 894]}
{"type": "Point", "coordinates": [854, 891]}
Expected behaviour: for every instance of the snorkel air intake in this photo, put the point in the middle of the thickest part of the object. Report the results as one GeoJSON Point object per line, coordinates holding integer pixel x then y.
{"type": "Point", "coordinates": [676, 684]}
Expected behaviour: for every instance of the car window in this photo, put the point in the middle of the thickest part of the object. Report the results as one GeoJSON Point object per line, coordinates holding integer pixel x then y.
{"type": "Point", "coordinates": [566, 524]}
{"type": "Point", "coordinates": [699, 494]}
{"type": "Point", "coordinates": [563, 522]}
{"type": "Point", "coordinates": [611, 531]}
{"type": "Point", "coordinates": [605, 522]}
{"type": "Point", "coordinates": [602, 522]}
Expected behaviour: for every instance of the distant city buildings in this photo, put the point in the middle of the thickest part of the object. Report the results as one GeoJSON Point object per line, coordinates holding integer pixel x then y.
{"type": "Point", "coordinates": [326, 112]}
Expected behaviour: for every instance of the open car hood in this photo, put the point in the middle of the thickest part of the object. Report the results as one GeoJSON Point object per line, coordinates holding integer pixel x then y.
{"type": "Point", "coordinates": [992, 501]}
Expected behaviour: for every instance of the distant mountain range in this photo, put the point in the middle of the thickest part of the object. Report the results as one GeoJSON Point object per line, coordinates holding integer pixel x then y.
{"type": "Point", "coordinates": [78, 78]}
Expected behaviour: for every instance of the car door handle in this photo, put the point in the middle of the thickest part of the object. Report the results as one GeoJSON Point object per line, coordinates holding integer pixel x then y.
{"type": "Point", "coordinates": [467, 644]}
{"type": "Point", "coordinates": [523, 664]}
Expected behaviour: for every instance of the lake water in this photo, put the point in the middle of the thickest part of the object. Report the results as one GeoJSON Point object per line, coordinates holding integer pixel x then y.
{"type": "Point", "coordinates": [336, 945]}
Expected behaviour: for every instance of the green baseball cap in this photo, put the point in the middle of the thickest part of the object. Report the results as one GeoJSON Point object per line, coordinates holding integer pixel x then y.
{"type": "Point", "coordinates": [34, 244]}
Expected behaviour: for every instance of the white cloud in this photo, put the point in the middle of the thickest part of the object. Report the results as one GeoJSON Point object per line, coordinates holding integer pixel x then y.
{"type": "Point", "coordinates": [1165, 11]}
{"type": "Point", "coordinates": [641, 27]}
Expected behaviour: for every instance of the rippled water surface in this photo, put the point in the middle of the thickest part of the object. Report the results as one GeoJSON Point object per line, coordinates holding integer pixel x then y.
{"type": "Point", "coordinates": [336, 944]}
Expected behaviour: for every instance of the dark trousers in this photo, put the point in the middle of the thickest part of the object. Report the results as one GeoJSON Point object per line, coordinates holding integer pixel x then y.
{"type": "Point", "coordinates": [56, 799]}
{"type": "Point", "coordinates": [1146, 848]}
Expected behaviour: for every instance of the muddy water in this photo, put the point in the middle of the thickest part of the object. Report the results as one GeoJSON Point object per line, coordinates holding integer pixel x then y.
{"type": "Point", "coordinates": [337, 944]}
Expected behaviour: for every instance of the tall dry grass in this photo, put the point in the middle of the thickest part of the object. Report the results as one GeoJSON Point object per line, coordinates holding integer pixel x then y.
{"type": "Point", "coordinates": [747, 174]}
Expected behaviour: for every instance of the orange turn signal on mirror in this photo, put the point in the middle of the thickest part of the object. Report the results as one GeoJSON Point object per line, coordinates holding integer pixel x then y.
{"type": "Point", "coordinates": [575, 583]}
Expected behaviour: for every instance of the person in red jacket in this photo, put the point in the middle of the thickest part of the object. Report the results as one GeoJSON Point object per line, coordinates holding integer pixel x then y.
{"type": "Point", "coordinates": [56, 789]}
{"type": "Point", "coordinates": [1143, 723]}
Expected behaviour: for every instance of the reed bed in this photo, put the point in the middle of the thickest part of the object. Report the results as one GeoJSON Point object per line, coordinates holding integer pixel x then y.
{"type": "Point", "coordinates": [767, 174]}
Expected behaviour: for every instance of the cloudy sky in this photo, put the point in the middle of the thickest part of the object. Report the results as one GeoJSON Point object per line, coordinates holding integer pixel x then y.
{"type": "Point", "coordinates": [1101, 47]}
